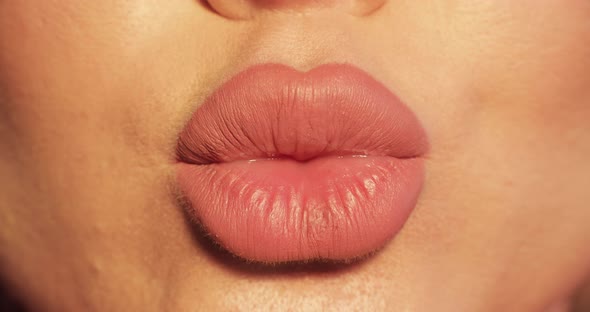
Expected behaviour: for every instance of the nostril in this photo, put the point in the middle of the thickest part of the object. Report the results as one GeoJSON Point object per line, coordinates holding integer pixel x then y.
{"type": "Point", "coordinates": [245, 9]}
{"type": "Point", "coordinates": [294, 4]}
{"type": "Point", "coordinates": [232, 9]}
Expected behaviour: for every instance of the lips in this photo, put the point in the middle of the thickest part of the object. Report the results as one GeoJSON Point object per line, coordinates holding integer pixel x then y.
{"type": "Point", "coordinates": [280, 165]}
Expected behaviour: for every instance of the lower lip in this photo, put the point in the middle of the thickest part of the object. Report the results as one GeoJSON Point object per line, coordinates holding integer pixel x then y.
{"type": "Point", "coordinates": [280, 210]}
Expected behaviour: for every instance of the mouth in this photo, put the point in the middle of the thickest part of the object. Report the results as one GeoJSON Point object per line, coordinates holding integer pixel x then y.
{"type": "Point", "coordinates": [280, 165]}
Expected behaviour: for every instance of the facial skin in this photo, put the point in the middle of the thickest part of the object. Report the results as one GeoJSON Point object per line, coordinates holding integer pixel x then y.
{"type": "Point", "coordinates": [94, 93]}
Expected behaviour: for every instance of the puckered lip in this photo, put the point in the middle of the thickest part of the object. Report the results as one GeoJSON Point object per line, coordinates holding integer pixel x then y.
{"type": "Point", "coordinates": [344, 166]}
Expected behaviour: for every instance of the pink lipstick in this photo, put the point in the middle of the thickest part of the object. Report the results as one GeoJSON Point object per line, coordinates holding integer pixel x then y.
{"type": "Point", "coordinates": [280, 165]}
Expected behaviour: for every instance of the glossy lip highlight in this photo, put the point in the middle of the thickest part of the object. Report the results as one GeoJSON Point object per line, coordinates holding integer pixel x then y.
{"type": "Point", "coordinates": [337, 163]}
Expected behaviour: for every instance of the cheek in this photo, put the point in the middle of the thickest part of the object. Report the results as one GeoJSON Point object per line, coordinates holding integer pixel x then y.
{"type": "Point", "coordinates": [535, 57]}
{"type": "Point", "coordinates": [84, 138]}
{"type": "Point", "coordinates": [508, 175]}
{"type": "Point", "coordinates": [120, 69]}
{"type": "Point", "coordinates": [525, 81]}
{"type": "Point", "coordinates": [532, 97]}
{"type": "Point", "coordinates": [91, 98]}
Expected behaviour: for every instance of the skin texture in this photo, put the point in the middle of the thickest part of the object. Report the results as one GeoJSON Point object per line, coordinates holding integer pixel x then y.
{"type": "Point", "coordinates": [94, 93]}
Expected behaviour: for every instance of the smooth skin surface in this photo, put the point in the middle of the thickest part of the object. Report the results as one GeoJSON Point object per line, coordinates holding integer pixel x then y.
{"type": "Point", "coordinates": [94, 93]}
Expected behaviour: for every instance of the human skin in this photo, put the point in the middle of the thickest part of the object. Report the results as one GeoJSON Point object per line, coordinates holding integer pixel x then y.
{"type": "Point", "coordinates": [93, 95]}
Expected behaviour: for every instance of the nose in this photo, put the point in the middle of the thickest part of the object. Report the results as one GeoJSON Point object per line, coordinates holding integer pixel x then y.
{"type": "Point", "coordinates": [245, 9]}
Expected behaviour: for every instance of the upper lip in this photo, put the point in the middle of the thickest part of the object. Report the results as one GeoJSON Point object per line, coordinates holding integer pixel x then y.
{"type": "Point", "coordinates": [309, 118]}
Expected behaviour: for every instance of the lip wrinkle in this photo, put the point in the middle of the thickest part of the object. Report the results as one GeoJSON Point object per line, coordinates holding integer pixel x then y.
{"type": "Point", "coordinates": [338, 164]}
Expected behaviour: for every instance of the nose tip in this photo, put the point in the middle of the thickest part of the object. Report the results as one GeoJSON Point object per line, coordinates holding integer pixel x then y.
{"type": "Point", "coordinates": [245, 9]}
